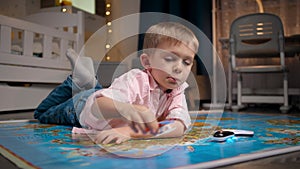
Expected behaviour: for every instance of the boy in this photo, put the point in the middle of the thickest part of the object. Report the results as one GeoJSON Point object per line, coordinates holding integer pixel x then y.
{"type": "Point", "coordinates": [136, 101]}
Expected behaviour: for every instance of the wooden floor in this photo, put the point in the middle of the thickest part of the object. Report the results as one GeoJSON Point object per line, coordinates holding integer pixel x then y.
{"type": "Point", "coordinates": [290, 160]}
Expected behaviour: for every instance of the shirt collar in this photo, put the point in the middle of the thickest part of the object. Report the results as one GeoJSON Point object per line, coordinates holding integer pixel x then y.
{"type": "Point", "coordinates": [154, 85]}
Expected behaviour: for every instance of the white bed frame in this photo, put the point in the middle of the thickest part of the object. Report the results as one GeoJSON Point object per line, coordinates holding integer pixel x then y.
{"type": "Point", "coordinates": [25, 79]}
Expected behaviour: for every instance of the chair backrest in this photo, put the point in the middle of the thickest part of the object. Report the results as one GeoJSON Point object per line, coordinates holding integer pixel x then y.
{"type": "Point", "coordinates": [257, 35]}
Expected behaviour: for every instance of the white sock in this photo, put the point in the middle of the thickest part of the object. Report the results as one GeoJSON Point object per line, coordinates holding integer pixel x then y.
{"type": "Point", "coordinates": [82, 70]}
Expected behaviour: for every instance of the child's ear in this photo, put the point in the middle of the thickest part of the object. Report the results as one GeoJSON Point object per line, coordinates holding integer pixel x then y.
{"type": "Point", "coordinates": [144, 58]}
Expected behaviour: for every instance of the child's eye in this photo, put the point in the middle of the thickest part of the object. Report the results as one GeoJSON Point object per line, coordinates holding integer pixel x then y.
{"type": "Point", "coordinates": [169, 58]}
{"type": "Point", "coordinates": [187, 62]}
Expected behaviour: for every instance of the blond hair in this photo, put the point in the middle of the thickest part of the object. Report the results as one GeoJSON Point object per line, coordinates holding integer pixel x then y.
{"type": "Point", "coordinates": [172, 32]}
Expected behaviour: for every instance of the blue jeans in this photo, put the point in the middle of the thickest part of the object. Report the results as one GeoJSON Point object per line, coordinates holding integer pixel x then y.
{"type": "Point", "coordinates": [64, 105]}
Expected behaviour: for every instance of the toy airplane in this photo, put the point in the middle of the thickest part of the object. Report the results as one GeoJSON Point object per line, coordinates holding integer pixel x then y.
{"type": "Point", "coordinates": [224, 134]}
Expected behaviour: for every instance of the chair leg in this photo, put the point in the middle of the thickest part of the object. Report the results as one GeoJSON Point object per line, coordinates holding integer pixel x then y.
{"type": "Point", "coordinates": [192, 98]}
{"type": "Point", "coordinates": [239, 94]}
{"type": "Point", "coordinates": [239, 90]}
{"type": "Point", "coordinates": [285, 108]}
{"type": "Point", "coordinates": [229, 81]}
{"type": "Point", "coordinates": [285, 88]}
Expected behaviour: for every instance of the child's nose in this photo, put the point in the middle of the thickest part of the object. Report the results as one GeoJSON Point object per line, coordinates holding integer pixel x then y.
{"type": "Point", "coordinates": [177, 68]}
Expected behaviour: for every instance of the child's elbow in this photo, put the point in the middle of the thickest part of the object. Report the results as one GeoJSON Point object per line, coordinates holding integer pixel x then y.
{"type": "Point", "coordinates": [180, 128]}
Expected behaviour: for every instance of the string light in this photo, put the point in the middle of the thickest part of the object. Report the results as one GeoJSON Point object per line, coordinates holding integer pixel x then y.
{"type": "Point", "coordinates": [109, 29]}
{"type": "Point", "coordinates": [66, 5]}
{"type": "Point", "coordinates": [63, 9]}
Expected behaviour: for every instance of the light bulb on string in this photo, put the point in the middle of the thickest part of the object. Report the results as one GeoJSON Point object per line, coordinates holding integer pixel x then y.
{"type": "Point", "coordinates": [63, 9]}
{"type": "Point", "coordinates": [108, 24]}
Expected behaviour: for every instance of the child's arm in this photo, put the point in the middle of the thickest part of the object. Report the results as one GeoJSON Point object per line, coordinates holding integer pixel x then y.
{"type": "Point", "coordinates": [122, 134]}
{"type": "Point", "coordinates": [139, 117]}
{"type": "Point", "coordinates": [178, 130]}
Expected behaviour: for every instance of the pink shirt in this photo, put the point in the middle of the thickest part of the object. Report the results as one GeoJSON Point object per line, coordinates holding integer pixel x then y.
{"type": "Point", "coordinates": [139, 87]}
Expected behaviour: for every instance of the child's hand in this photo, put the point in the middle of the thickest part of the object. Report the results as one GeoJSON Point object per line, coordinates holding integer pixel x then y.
{"type": "Point", "coordinates": [119, 135]}
{"type": "Point", "coordinates": [142, 120]}
{"type": "Point", "coordinates": [115, 135]}
{"type": "Point", "coordinates": [139, 117]}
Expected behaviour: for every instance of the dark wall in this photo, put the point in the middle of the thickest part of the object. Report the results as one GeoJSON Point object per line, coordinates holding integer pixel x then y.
{"type": "Point", "coordinates": [198, 12]}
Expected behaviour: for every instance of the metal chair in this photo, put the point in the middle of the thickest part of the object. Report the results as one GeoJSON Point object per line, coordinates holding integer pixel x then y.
{"type": "Point", "coordinates": [257, 36]}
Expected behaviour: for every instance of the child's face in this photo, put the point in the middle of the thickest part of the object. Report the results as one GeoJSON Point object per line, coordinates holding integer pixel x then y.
{"type": "Point", "coordinates": [171, 64]}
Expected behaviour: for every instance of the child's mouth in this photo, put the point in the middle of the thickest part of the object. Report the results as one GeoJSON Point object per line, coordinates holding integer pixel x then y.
{"type": "Point", "coordinates": [171, 80]}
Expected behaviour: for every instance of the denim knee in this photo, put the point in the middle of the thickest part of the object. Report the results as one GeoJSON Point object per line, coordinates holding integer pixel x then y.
{"type": "Point", "coordinates": [80, 100]}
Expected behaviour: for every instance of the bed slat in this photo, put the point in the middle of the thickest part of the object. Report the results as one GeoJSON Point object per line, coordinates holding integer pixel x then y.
{"type": "Point", "coordinates": [63, 49]}
{"type": "Point", "coordinates": [47, 47]}
{"type": "Point", "coordinates": [5, 39]}
{"type": "Point", "coordinates": [28, 43]}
